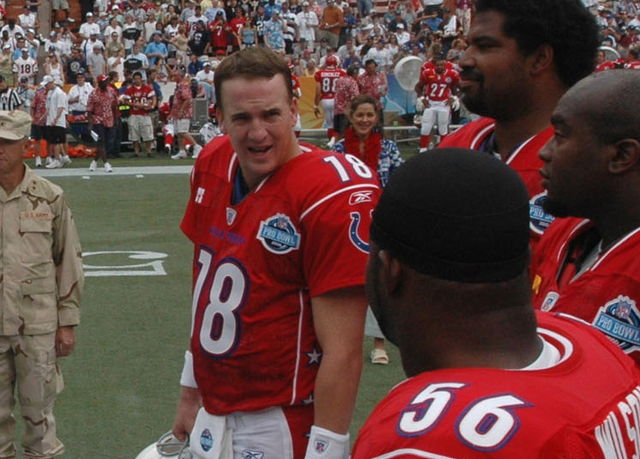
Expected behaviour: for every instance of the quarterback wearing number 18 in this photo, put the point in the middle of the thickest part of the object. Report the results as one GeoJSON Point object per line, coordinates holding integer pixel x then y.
{"type": "Point", "coordinates": [278, 299]}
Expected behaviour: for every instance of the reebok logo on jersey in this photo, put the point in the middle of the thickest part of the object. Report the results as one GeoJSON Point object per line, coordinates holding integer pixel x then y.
{"type": "Point", "coordinates": [252, 454]}
{"type": "Point", "coordinates": [358, 197]}
{"type": "Point", "coordinates": [278, 234]}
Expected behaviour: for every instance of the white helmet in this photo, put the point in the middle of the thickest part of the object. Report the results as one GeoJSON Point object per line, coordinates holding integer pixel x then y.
{"type": "Point", "coordinates": [166, 446]}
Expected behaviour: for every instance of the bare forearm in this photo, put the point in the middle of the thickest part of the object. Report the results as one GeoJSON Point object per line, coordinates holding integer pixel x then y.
{"type": "Point", "coordinates": [336, 390]}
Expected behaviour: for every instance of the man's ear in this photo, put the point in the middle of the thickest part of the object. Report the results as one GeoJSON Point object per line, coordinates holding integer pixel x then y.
{"type": "Point", "coordinates": [625, 157]}
{"type": "Point", "coordinates": [541, 59]}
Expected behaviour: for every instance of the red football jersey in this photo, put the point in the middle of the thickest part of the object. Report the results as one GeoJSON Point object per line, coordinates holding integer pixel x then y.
{"type": "Point", "coordinates": [327, 79]}
{"type": "Point", "coordinates": [604, 295]}
{"type": "Point", "coordinates": [141, 95]}
{"type": "Point", "coordinates": [581, 407]}
{"type": "Point", "coordinates": [300, 233]}
{"type": "Point", "coordinates": [431, 65]}
{"type": "Point", "coordinates": [438, 87]}
{"type": "Point", "coordinates": [633, 65]}
{"type": "Point", "coordinates": [524, 160]}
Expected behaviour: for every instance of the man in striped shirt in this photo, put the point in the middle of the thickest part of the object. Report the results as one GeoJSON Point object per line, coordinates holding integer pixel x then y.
{"type": "Point", "coordinates": [9, 98]}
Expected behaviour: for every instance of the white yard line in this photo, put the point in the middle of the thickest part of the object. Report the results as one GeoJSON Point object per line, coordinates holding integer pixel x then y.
{"type": "Point", "coordinates": [82, 172]}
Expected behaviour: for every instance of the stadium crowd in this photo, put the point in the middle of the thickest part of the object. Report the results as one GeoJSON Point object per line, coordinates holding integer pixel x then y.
{"type": "Point", "coordinates": [158, 40]}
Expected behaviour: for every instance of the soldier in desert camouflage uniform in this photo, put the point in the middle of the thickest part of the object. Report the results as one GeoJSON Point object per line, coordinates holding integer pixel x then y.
{"type": "Point", "coordinates": [41, 283]}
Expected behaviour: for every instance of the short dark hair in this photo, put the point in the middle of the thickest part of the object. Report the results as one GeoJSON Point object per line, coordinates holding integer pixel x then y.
{"type": "Point", "coordinates": [363, 99]}
{"type": "Point", "coordinates": [251, 63]}
{"type": "Point", "coordinates": [566, 25]}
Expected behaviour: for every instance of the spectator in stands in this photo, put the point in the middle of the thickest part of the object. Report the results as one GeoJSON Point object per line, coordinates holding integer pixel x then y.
{"type": "Point", "coordinates": [352, 60]}
{"type": "Point", "coordinates": [182, 113]}
{"type": "Point", "coordinates": [396, 21]}
{"type": "Point", "coordinates": [137, 60]}
{"type": "Point", "coordinates": [28, 19]}
{"type": "Point", "coordinates": [114, 45]}
{"type": "Point", "coordinates": [25, 66]}
{"type": "Point", "coordinates": [113, 30]}
{"type": "Point", "coordinates": [156, 49]}
{"type": "Point", "coordinates": [274, 32]}
{"type": "Point", "coordinates": [96, 62]}
{"type": "Point", "coordinates": [206, 74]}
{"type": "Point", "coordinates": [307, 22]}
{"type": "Point", "coordinates": [381, 55]}
{"type": "Point", "coordinates": [90, 27]}
{"type": "Point", "coordinates": [131, 31]}
{"type": "Point", "coordinates": [12, 28]}
{"type": "Point", "coordinates": [52, 44]}
{"type": "Point", "coordinates": [58, 6]}
{"type": "Point", "coordinates": [331, 23]}
{"type": "Point", "coordinates": [116, 64]}
{"type": "Point", "coordinates": [219, 33]}
{"type": "Point", "coordinates": [236, 25]}
{"type": "Point", "coordinates": [200, 38]}
{"type": "Point", "coordinates": [90, 44]}
{"type": "Point", "coordinates": [181, 43]}
{"type": "Point", "coordinates": [77, 64]}
{"type": "Point", "coordinates": [6, 65]}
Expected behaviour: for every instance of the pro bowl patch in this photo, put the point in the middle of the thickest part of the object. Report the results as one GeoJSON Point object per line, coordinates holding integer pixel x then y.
{"type": "Point", "coordinates": [539, 220]}
{"type": "Point", "coordinates": [619, 319]}
{"type": "Point", "coordinates": [278, 234]}
{"type": "Point", "coordinates": [206, 440]}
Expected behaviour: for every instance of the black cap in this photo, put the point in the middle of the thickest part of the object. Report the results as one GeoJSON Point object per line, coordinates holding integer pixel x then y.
{"type": "Point", "coordinates": [455, 214]}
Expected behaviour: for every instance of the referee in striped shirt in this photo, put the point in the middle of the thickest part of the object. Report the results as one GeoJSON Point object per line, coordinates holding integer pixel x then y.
{"type": "Point", "coordinates": [9, 98]}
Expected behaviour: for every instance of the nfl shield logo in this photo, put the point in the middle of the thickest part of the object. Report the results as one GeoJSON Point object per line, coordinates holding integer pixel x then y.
{"type": "Point", "coordinates": [321, 446]}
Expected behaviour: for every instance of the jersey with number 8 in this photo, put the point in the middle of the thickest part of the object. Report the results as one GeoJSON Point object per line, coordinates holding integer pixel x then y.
{"type": "Point", "coordinates": [301, 233]}
{"type": "Point", "coordinates": [569, 410]}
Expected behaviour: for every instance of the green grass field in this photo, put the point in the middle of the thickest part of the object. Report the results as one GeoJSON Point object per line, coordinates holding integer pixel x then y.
{"type": "Point", "coordinates": [122, 380]}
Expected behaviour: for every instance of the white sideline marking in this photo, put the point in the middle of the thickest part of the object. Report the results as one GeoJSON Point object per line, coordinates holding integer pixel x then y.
{"type": "Point", "coordinates": [82, 172]}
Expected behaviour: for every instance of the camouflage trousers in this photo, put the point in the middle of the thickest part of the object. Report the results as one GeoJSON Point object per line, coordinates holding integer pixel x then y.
{"type": "Point", "coordinates": [28, 366]}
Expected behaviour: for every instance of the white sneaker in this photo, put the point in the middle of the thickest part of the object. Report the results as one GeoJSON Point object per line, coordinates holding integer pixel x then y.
{"type": "Point", "coordinates": [54, 164]}
{"type": "Point", "coordinates": [38, 161]}
{"type": "Point", "coordinates": [107, 167]}
{"type": "Point", "coordinates": [167, 150]}
{"type": "Point", "coordinates": [196, 151]}
{"type": "Point", "coordinates": [64, 159]}
{"type": "Point", "coordinates": [93, 166]}
{"type": "Point", "coordinates": [180, 155]}
{"type": "Point", "coordinates": [48, 160]}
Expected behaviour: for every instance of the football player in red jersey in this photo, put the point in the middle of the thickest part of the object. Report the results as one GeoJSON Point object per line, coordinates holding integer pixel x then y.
{"type": "Point", "coordinates": [326, 93]}
{"type": "Point", "coordinates": [588, 265]}
{"type": "Point", "coordinates": [513, 75]}
{"type": "Point", "coordinates": [142, 99]}
{"type": "Point", "coordinates": [488, 377]}
{"type": "Point", "coordinates": [436, 89]}
{"type": "Point", "coordinates": [279, 230]}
